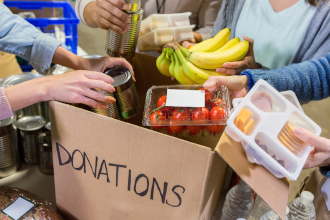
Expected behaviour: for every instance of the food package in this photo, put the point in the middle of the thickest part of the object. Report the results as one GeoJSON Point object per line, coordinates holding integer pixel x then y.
{"type": "Point", "coordinates": [264, 121]}
{"type": "Point", "coordinates": [189, 110]}
{"type": "Point", "coordinates": [160, 36]}
{"type": "Point", "coordinates": [164, 21]}
{"type": "Point", "coordinates": [41, 210]}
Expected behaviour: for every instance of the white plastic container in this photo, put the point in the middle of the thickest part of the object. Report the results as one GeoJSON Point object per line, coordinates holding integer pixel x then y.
{"type": "Point", "coordinates": [161, 36]}
{"type": "Point", "coordinates": [266, 129]}
{"type": "Point", "coordinates": [164, 21]}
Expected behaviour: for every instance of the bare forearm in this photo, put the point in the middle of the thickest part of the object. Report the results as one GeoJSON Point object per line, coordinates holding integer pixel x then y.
{"type": "Point", "coordinates": [27, 93]}
{"type": "Point", "coordinates": [67, 58]}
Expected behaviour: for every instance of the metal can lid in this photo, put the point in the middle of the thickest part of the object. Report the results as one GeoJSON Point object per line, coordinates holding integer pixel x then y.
{"type": "Point", "coordinates": [30, 123]}
{"type": "Point", "coordinates": [7, 126]}
{"type": "Point", "coordinates": [7, 121]}
{"type": "Point", "coordinates": [122, 78]}
{"type": "Point", "coordinates": [45, 139]}
{"type": "Point", "coordinates": [19, 78]}
{"type": "Point", "coordinates": [48, 126]}
{"type": "Point", "coordinates": [132, 5]}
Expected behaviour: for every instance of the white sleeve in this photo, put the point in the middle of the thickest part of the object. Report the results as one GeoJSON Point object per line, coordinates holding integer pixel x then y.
{"type": "Point", "coordinates": [80, 7]}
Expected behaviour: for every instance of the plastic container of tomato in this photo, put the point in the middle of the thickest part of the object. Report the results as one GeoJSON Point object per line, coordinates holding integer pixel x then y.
{"type": "Point", "coordinates": [179, 108]}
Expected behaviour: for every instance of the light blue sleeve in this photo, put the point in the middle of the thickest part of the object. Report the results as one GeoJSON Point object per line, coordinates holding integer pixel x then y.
{"type": "Point", "coordinates": [310, 80]}
{"type": "Point", "coordinates": [19, 37]}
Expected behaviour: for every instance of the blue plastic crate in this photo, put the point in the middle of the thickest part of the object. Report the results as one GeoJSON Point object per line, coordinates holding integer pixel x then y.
{"type": "Point", "coordinates": [64, 25]}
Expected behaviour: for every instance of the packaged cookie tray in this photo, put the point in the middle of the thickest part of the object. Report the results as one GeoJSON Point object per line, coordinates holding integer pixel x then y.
{"type": "Point", "coordinates": [265, 120]}
{"type": "Point", "coordinates": [179, 107]}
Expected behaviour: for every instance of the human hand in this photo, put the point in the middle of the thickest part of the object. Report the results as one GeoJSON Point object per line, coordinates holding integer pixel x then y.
{"type": "Point", "coordinates": [76, 87]}
{"type": "Point", "coordinates": [237, 85]}
{"type": "Point", "coordinates": [187, 44]}
{"type": "Point", "coordinates": [235, 68]}
{"type": "Point", "coordinates": [320, 155]}
{"type": "Point", "coordinates": [108, 14]}
{"type": "Point", "coordinates": [99, 64]}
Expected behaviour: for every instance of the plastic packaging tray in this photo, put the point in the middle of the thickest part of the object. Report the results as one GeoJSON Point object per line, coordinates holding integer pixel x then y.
{"type": "Point", "coordinates": [161, 36]}
{"type": "Point", "coordinates": [156, 92]}
{"type": "Point", "coordinates": [269, 127]}
{"type": "Point", "coordinates": [163, 21]}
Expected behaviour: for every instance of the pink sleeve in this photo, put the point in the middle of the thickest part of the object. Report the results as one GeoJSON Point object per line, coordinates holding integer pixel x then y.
{"type": "Point", "coordinates": [5, 111]}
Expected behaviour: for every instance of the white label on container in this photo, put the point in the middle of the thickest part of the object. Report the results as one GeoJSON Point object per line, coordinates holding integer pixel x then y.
{"type": "Point", "coordinates": [185, 98]}
{"type": "Point", "coordinates": [18, 208]}
{"type": "Point", "coordinates": [325, 189]}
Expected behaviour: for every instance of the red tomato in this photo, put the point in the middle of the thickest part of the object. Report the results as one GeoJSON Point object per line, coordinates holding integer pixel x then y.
{"type": "Point", "coordinates": [174, 129]}
{"type": "Point", "coordinates": [156, 118]}
{"type": "Point", "coordinates": [200, 115]}
{"type": "Point", "coordinates": [193, 129]}
{"type": "Point", "coordinates": [180, 114]}
{"type": "Point", "coordinates": [162, 102]}
{"type": "Point", "coordinates": [217, 102]}
{"type": "Point", "coordinates": [218, 113]}
{"type": "Point", "coordinates": [214, 129]}
{"type": "Point", "coordinates": [208, 97]}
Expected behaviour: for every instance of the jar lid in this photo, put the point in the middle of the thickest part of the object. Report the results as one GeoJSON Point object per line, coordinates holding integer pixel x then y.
{"type": "Point", "coordinates": [122, 78]}
{"type": "Point", "coordinates": [45, 139]}
{"type": "Point", "coordinates": [7, 126]}
{"type": "Point", "coordinates": [30, 123]}
{"type": "Point", "coordinates": [19, 78]}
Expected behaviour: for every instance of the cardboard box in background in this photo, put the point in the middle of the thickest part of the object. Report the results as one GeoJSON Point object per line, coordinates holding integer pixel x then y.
{"type": "Point", "coordinates": [109, 169]}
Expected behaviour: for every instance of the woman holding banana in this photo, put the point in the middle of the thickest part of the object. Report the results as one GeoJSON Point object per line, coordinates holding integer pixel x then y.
{"type": "Point", "coordinates": [280, 38]}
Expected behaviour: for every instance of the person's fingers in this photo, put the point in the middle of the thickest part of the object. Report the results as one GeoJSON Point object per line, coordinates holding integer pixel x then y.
{"type": "Point", "coordinates": [251, 43]}
{"type": "Point", "coordinates": [233, 83]}
{"type": "Point", "coordinates": [98, 76]}
{"type": "Point", "coordinates": [112, 18]}
{"type": "Point", "coordinates": [115, 8]}
{"type": "Point", "coordinates": [91, 102]}
{"type": "Point", "coordinates": [320, 143]}
{"type": "Point", "coordinates": [118, 3]}
{"type": "Point", "coordinates": [186, 44]}
{"type": "Point", "coordinates": [119, 62]}
{"type": "Point", "coordinates": [90, 83]}
{"type": "Point", "coordinates": [105, 24]}
{"type": "Point", "coordinates": [227, 71]}
{"type": "Point", "coordinates": [98, 96]}
{"type": "Point", "coordinates": [234, 65]}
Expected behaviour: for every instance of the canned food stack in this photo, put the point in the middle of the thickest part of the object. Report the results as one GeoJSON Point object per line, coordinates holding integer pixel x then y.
{"type": "Point", "coordinates": [30, 128]}
{"type": "Point", "coordinates": [44, 141]}
{"type": "Point", "coordinates": [40, 109]}
{"type": "Point", "coordinates": [9, 155]}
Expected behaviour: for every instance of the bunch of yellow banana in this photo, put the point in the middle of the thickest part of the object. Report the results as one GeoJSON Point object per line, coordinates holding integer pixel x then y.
{"type": "Point", "coordinates": [196, 64]}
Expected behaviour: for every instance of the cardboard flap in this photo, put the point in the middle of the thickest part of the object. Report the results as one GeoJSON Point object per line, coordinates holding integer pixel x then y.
{"type": "Point", "coordinates": [102, 164]}
{"type": "Point", "coordinates": [271, 189]}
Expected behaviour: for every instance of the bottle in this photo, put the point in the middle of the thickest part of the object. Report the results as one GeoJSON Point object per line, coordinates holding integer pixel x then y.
{"type": "Point", "coordinates": [271, 215]}
{"type": "Point", "coordinates": [259, 209]}
{"type": "Point", "coordinates": [239, 202]}
{"type": "Point", "coordinates": [302, 207]}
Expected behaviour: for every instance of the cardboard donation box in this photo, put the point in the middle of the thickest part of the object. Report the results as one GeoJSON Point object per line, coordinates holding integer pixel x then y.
{"type": "Point", "coordinates": [110, 169]}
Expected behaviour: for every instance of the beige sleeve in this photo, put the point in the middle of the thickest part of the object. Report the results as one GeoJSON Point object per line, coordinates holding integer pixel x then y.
{"type": "Point", "coordinates": [80, 7]}
{"type": "Point", "coordinates": [206, 17]}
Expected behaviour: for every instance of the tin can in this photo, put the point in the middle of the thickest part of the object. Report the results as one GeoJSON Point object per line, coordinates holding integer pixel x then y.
{"type": "Point", "coordinates": [30, 127]}
{"type": "Point", "coordinates": [45, 153]}
{"type": "Point", "coordinates": [124, 45]}
{"type": "Point", "coordinates": [48, 126]}
{"type": "Point", "coordinates": [126, 95]}
{"type": "Point", "coordinates": [9, 155]}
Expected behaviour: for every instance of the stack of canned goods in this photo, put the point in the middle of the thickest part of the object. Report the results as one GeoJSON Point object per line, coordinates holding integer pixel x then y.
{"type": "Point", "coordinates": [9, 156]}
{"type": "Point", "coordinates": [35, 143]}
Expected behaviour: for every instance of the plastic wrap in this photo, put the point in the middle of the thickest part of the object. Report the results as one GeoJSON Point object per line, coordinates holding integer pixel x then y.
{"type": "Point", "coordinates": [42, 210]}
